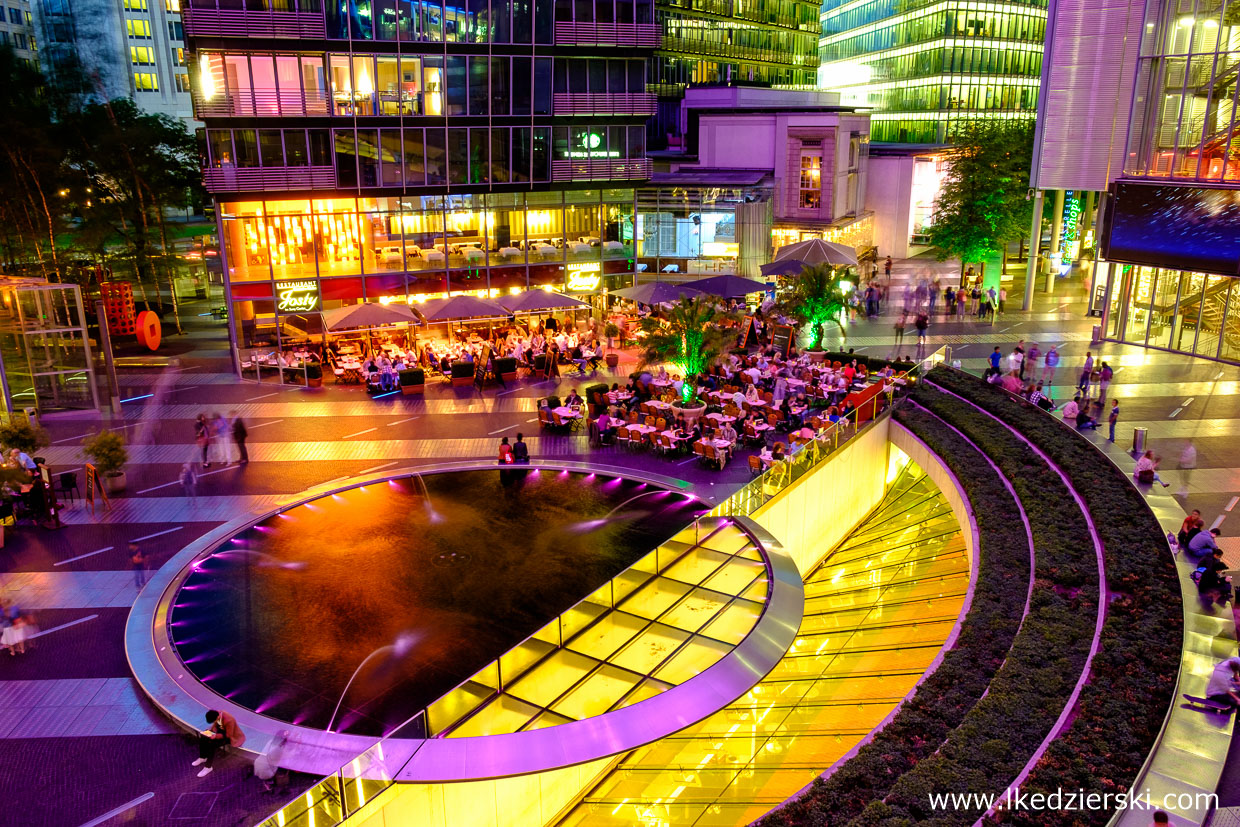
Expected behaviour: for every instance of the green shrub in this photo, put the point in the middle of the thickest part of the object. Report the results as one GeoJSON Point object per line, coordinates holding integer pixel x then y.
{"type": "Point", "coordinates": [107, 452]}
{"type": "Point", "coordinates": [24, 436]}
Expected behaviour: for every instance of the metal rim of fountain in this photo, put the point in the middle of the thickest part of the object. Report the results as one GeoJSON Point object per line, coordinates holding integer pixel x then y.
{"type": "Point", "coordinates": [156, 665]}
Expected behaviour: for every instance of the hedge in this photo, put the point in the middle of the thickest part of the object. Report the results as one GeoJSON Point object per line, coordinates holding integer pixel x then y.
{"type": "Point", "coordinates": [871, 363]}
{"type": "Point", "coordinates": [999, 736]}
{"type": "Point", "coordinates": [1118, 718]}
{"type": "Point", "coordinates": [946, 695]}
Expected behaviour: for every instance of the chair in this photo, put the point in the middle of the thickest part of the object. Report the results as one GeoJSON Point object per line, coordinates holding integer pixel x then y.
{"type": "Point", "coordinates": [699, 449]}
{"type": "Point", "coordinates": [711, 456]}
{"type": "Point", "coordinates": [666, 445]}
{"type": "Point", "coordinates": [68, 485]}
{"type": "Point", "coordinates": [631, 418]}
{"type": "Point", "coordinates": [544, 418]}
{"type": "Point", "coordinates": [768, 397]}
{"type": "Point", "coordinates": [661, 424]}
{"type": "Point", "coordinates": [650, 420]}
{"type": "Point", "coordinates": [636, 439]}
{"type": "Point", "coordinates": [755, 466]}
{"type": "Point", "coordinates": [622, 437]}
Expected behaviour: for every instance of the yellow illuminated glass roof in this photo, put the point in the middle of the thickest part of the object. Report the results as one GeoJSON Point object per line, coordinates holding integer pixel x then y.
{"type": "Point", "coordinates": [671, 615]}
{"type": "Point", "coordinates": [877, 613]}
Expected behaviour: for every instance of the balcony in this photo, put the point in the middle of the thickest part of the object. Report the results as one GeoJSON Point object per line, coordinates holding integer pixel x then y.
{"type": "Point", "coordinates": [235, 23]}
{"type": "Point", "coordinates": [608, 34]}
{"type": "Point", "coordinates": [262, 103]}
{"type": "Point", "coordinates": [601, 169]}
{"type": "Point", "coordinates": [603, 103]}
{"type": "Point", "coordinates": [273, 179]}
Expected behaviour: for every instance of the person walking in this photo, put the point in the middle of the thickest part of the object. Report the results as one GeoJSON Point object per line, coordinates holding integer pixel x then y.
{"type": "Point", "coordinates": [1031, 361]}
{"type": "Point", "coordinates": [1112, 419]}
{"type": "Point", "coordinates": [521, 451]}
{"type": "Point", "coordinates": [949, 301]}
{"type": "Point", "coordinates": [1188, 462]}
{"type": "Point", "coordinates": [222, 732]}
{"type": "Point", "coordinates": [1104, 381]}
{"type": "Point", "coordinates": [220, 437]}
{"type": "Point", "coordinates": [202, 437]}
{"type": "Point", "coordinates": [887, 268]}
{"type": "Point", "coordinates": [962, 300]}
{"type": "Point", "coordinates": [239, 433]}
{"type": "Point", "coordinates": [935, 289]}
{"type": "Point", "coordinates": [922, 322]}
{"type": "Point", "coordinates": [1052, 362]}
{"type": "Point", "coordinates": [901, 321]}
{"type": "Point", "coordinates": [1087, 370]}
{"type": "Point", "coordinates": [189, 481]}
{"type": "Point", "coordinates": [138, 561]}
{"type": "Point", "coordinates": [1002, 298]}
{"type": "Point", "coordinates": [1016, 362]}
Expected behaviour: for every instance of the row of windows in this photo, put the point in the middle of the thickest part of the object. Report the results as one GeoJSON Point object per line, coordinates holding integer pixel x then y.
{"type": "Point", "coordinates": [667, 70]}
{"type": "Point", "coordinates": [18, 17]}
{"type": "Point", "coordinates": [959, 59]}
{"type": "Point", "coordinates": [453, 21]}
{"type": "Point", "coordinates": [171, 6]}
{"type": "Point", "coordinates": [789, 13]}
{"type": "Point", "coordinates": [18, 40]}
{"type": "Point", "coordinates": [932, 97]}
{"type": "Point", "coordinates": [421, 157]}
{"type": "Point", "coordinates": [1024, 27]}
{"type": "Point", "coordinates": [138, 29]}
{"type": "Point", "coordinates": [146, 81]}
{"type": "Point", "coordinates": [141, 56]}
{"type": "Point", "coordinates": [981, 14]}
{"type": "Point", "coordinates": [740, 42]}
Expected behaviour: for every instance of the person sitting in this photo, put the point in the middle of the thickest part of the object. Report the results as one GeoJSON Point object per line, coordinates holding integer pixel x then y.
{"type": "Point", "coordinates": [1224, 685]}
{"type": "Point", "coordinates": [778, 452]}
{"type": "Point", "coordinates": [606, 427]}
{"type": "Point", "coordinates": [751, 394]}
{"type": "Point", "coordinates": [1146, 470]}
{"type": "Point", "coordinates": [1040, 399]}
{"type": "Point", "coordinates": [573, 399]}
{"type": "Point", "coordinates": [1072, 409]}
{"type": "Point", "coordinates": [727, 433]}
{"type": "Point", "coordinates": [1204, 543]}
{"type": "Point", "coordinates": [833, 414]}
{"type": "Point", "coordinates": [222, 732]}
{"type": "Point", "coordinates": [1189, 528]}
{"type": "Point", "coordinates": [1212, 585]}
{"type": "Point", "coordinates": [1011, 383]}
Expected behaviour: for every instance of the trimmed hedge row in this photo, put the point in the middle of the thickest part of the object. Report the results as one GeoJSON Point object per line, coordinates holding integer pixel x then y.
{"type": "Point", "coordinates": [1027, 695]}
{"type": "Point", "coordinates": [1118, 718]}
{"type": "Point", "coordinates": [962, 678]}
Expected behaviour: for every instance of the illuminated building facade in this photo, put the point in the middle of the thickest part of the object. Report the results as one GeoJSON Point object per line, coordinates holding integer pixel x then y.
{"type": "Point", "coordinates": [1171, 237]}
{"type": "Point", "coordinates": [399, 150]}
{"type": "Point", "coordinates": [705, 42]}
{"type": "Point", "coordinates": [125, 48]}
{"type": "Point", "coordinates": [17, 31]}
{"type": "Point", "coordinates": [924, 65]}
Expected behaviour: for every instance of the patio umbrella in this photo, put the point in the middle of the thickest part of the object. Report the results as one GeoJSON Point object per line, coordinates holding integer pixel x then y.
{"type": "Point", "coordinates": [656, 292]}
{"type": "Point", "coordinates": [368, 314]}
{"type": "Point", "coordinates": [729, 287]}
{"type": "Point", "coordinates": [787, 267]}
{"type": "Point", "coordinates": [816, 251]}
{"type": "Point", "coordinates": [460, 307]}
{"type": "Point", "coordinates": [536, 301]}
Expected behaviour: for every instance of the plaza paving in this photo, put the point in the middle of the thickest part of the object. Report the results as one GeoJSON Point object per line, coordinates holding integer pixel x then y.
{"type": "Point", "coordinates": [79, 738]}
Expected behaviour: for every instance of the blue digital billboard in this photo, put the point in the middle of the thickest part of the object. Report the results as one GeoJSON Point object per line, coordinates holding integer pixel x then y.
{"type": "Point", "coordinates": [1178, 227]}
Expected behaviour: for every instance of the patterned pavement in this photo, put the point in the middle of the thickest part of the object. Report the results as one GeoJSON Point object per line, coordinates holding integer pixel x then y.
{"type": "Point", "coordinates": [78, 742]}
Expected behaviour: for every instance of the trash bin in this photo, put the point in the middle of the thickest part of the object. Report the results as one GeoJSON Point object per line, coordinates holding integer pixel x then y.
{"type": "Point", "coordinates": [1138, 440]}
{"type": "Point", "coordinates": [1096, 336]}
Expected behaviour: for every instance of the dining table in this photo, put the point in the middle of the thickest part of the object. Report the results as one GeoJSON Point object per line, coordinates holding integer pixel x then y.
{"type": "Point", "coordinates": [567, 413]}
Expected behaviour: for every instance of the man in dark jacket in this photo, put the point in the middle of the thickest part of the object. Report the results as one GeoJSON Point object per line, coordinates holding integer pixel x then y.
{"type": "Point", "coordinates": [239, 434]}
{"type": "Point", "coordinates": [521, 451]}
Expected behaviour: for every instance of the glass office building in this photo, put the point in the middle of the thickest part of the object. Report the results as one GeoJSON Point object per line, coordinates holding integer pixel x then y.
{"type": "Point", "coordinates": [402, 150]}
{"type": "Point", "coordinates": [1172, 240]}
{"type": "Point", "coordinates": [719, 42]}
{"type": "Point", "coordinates": [924, 66]}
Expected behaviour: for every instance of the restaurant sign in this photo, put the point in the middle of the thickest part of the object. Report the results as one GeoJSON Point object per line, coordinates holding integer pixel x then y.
{"type": "Point", "coordinates": [584, 278]}
{"type": "Point", "coordinates": [297, 296]}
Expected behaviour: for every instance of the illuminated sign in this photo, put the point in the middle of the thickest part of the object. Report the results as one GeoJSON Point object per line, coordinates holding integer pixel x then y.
{"type": "Point", "coordinates": [590, 143]}
{"type": "Point", "coordinates": [720, 248]}
{"type": "Point", "coordinates": [297, 296]}
{"type": "Point", "coordinates": [583, 278]}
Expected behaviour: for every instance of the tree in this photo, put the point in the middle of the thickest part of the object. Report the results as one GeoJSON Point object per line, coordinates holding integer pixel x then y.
{"type": "Point", "coordinates": [691, 336]}
{"type": "Point", "coordinates": [983, 204]}
{"type": "Point", "coordinates": [817, 296]}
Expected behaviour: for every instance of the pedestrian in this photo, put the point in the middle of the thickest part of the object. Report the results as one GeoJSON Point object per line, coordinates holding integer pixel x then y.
{"type": "Point", "coordinates": [922, 322]}
{"type": "Point", "coordinates": [1112, 419]}
{"type": "Point", "coordinates": [12, 630]}
{"type": "Point", "coordinates": [1052, 362]}
{"type": "Point", "coordinates": [223, 732]}
{"type": "Point", "coordinates": [1086, 371]}
{"type": "Point", "coordinates": [219, 436]}
{"type": "Point", "coordinates": [887, 268]}
{"type": "Point", "coordinates": [901, 321]}
{"type": "Point", "coordinates": [189, 481]}
{"type": "Point", "coordinates": [505, 452]}
{"type": "Point", "coordinates": [975, 301]}
{"type": "Point", "coordinates": [267, 765]}
{"type": "Point", "coordinates": [1104, 381]}
{"type": "Point", "coordinates": [1002, 297]}
{"type": "Point", "coordinates": [1031, 361]}
{"type": "Point", "coordinates": [1188, 461]}
{"type": "Point", "coordinates": [1016, 362]}
{"type": "Point", "coordinates": [995, 358]}
{"type": "Point", "coordinates": [949, 301]}
{"type": "Point", "coordinates": [239, 433]}
{"type": "Point", "coordinates": [521, 451]}
{"type": "Point", "coordinates": [138, 561]}
{"type": "Point", "coordinates": [962, 299]}
{"type": "Point", "coordinates": [1146, 470]}
{"type": "Point", "coordinates": [935, 289]}
{"type": "Point", "coordinates": [992, 301]}
{"type": "Point", "coordinates": [202, 437]}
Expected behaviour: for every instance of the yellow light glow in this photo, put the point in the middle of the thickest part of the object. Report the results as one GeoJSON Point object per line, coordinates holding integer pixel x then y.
{"type": "Point", "coordinates": [205, 80]}
{"type": "Point", "coordinates": [1186, 21]}
{"type": "Point", "coordinates": [434, 98]}
{"type": "Point", "coordinates": [365, 85]}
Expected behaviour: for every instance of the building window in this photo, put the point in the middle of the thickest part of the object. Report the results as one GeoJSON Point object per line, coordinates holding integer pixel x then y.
{"type": "Point", "coordinates": [176, 31]}
{"type": "Point", "coordinates": [141, 55]}
{"type": "Point", "coordinates": [811, 181]}
{"type": "Point", "coordinates": [172, 6]}
{"type": "Point", "coordinates": [4, 37]}
{"type": "Point", "coordinates": [182, 83]}
{"type": "Point", "coordinates": [139, 28]}
{"type": "Point", "coordinates": [178, 56]}
{"type": "Point", "coordinates": [135, 5]}
{"type": "Point", "coordinates": [19, 40]}
{"type": "Point", "coordinates": [15, 16]}
{"type": "Point", "coordinates": [145, 82]}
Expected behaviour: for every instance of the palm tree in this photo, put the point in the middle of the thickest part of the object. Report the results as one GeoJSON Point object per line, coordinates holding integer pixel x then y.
{"type": "Point", "coordinates": [691, 336]}
{"type": "Point", "coordinates": [818, 295]}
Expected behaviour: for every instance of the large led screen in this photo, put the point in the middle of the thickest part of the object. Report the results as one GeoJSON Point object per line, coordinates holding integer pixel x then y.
{"type": "Point", "coordinates": [1183, 228]}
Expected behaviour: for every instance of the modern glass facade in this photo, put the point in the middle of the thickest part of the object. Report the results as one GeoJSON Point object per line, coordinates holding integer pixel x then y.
{"type": "Point", "coordinates": [1182, 144]}
{"type": "Point", "coordinates": [397, 150]}
{"type": "Point", "coordinates": [762, 42]}
{"type": "Point", "coordinates": [924, 66]}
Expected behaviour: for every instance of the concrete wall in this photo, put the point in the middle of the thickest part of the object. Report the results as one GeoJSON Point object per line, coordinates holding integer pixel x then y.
{"type": "Point", "coordinates": [889, 195]}
{"type": "Point", "coordinates": [811, 516]}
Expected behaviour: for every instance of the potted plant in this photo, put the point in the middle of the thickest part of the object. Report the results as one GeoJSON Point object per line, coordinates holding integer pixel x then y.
{"type": "Point", "coordinates": [505, 368]}
{"type": "Point", "coordinates": [462, 373]}
{"type": "Point", "coordinates": [692, 336]}
{"type": "Point", "coordinates": [24, 436]}
{"type": "Point", "coordinates": [412, 380]}
{"type": "Point", "coordinates": [611, 330]}
{"type": "Point", "coordinates": [108, 454]}
{"type": "Point", "coordinates": [314, 375]}
{"type": "Point", "coordinates": [818, 295]}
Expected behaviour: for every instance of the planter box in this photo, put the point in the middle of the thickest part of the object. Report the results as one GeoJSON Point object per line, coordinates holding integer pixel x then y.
{"type": "Point", "coordinates": [612, 360]}
{"type": "Point", "coordinates": [505, 368]}
{"type": "Point", "coordinates": [412, 381]}
{"type": "Point", "coordinates": [115, 483]}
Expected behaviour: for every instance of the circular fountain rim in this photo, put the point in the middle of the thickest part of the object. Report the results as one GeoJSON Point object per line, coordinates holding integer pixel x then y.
{"type": "Point", "coordinates": [156, 665]}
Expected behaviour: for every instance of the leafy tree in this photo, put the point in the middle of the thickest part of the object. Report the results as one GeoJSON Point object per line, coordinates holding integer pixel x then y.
{"type": "Point", "coordinates": [817, 296]}
{"type": "Point", "coordinates": [691, 336]}
{"type": "Point", "coordinates": [983, 203]}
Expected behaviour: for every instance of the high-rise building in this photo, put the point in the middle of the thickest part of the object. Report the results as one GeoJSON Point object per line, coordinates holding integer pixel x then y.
{"type": "Point", "coordinates": [707, 42]}
{"type": "Point", "coordinates": [398, 150]}
{"type": "Point", "coordinates": [17, 30]}
{"type": "Point", "coordinates": [923, 66]}
{"type": "Point", "coordinates": [123, 48]}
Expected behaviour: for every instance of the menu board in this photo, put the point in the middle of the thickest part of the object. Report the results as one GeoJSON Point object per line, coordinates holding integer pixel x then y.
{"type": "Point", "coordinates": [781, 337]}
{"type": "Point", "coordinates": [749, 336]}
